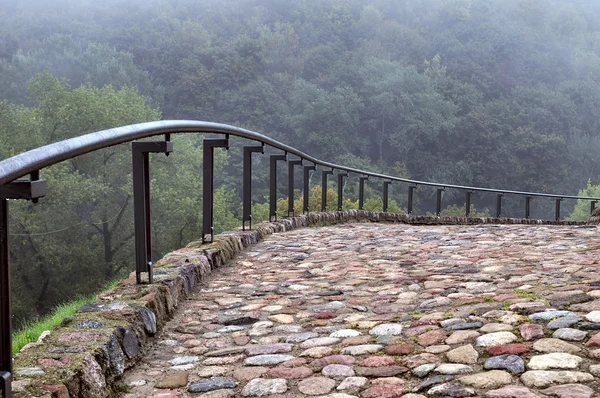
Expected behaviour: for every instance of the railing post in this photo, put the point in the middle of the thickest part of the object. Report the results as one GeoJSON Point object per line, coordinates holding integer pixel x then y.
{"type": "Point", "coordinates": [361, 192]}
{"type": "Point", "coordinates": [527, 207]}
{"type": "Point", "coordinates": [411, 194]}
{"type": "Point", "coordinates": [291, 165]}
{"type": "Point", "coordinates": [208, 151]}
{"type": "Point", "coordinates": [31, 189]}
{"type": "Point", "coordinates": [273, 185]}
{"type": "Point", "coordinates": [340, 183]}
{"type": "Point", "coordinates": [557, 210]}
{"type": "Point", "coordinates": [386, 188]}
{"type": "Point", "coordinates": [324, 175]}
{"type": "Point", "coordinates": [438, 202]}
{"type": "Point", "coordinates": [5, 311]}
{"type": "Point", "coordinates": [593, 206]}
{"type": "Point", "coordinates": [468, 203]}
{"type": "Point", "coordinates": [306, 189]}
{"type": "Point", "coordinates": [247, 185]}
{"type": "Point", "coordinates": [499, 205]}
{"type": "Point", "coordinates": [141, 203]}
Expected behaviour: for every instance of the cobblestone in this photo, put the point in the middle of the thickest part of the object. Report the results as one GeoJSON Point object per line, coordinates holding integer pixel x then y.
{"type": "Point", "coordinates": [389, 310]}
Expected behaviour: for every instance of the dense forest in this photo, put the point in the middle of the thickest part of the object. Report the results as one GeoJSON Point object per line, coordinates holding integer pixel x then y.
{"type": "Point", "coordinates": [491, 93]}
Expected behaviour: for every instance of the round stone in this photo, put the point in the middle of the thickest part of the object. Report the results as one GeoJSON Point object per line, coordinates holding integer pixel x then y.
{"type": "Point", "coordinates": [497, 338]}
{"type": "Point", "coordinates": [338, 371]}
{"type": "Point", "coordinates": [316, 385]}
{"type": "Point", "coordinates": [350, 383]}
{"type": "Point", "coordinates": [264, 387]}
{"type": "Point", "coordinates": [557, 360]}
{"type": "Point", "coordinates": [487, 380]}
{"type": "Point", "coordinates": [513, 363]}
{"type": "Point", "coordinates": [393, 329]}
{"type": "Point", "coordinates": [465, 355]}
{"type": "Point", "coordinates": [340, 334]}
{"type": "Point", "coordinates": [569, 334]}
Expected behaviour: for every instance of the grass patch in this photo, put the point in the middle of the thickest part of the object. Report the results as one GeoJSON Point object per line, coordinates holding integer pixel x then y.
{"type": "Point", "coordinates": [30, 332]}
{"type": "Point", "coordinates": [525, 294]}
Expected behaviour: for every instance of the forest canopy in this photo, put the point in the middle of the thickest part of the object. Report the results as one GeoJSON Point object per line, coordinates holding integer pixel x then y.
{"type": "Point", "coordinates": [491, 93]}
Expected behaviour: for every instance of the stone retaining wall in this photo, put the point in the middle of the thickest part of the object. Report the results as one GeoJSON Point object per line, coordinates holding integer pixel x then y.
{"type": "Point", "coordinates": [88, 353]}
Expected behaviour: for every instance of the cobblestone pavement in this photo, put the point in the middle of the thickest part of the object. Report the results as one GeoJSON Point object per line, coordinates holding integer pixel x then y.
{"type": "Point", "coordinates": [389, 310]}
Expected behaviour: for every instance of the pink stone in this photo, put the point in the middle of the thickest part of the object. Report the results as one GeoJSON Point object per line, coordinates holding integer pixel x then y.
{"type": "Point", "coordinates": [57, 390]}
{"type": "Point", "coordinates": [531, 331]}
{"type": "Point", "coordinates": [594, 341]}
{"type": "Point", "coordinates": [290, 373]}
{"type": "Point", "coordinates": [384, 391]}
{"type": "Point", "coordinates": [167, 394]}
{"type": "Point", "coordinates": [51, 363]}
{"type": "Point", "coordinates": [507, 349]}
{"type": "Point", "coordinates": [432, 337]}
{"type": "Point", "coordinates": [512, 392]}
{"type": "Point", "coordinates": [326, 315]}
{"type": "Point", "coordinates": [400, 349]}
{"type": "Point", "coordinates": [377, 361]}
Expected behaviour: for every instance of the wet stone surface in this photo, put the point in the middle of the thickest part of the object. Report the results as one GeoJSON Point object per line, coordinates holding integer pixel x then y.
{"type": "Point", "coordinates": [389, 310]}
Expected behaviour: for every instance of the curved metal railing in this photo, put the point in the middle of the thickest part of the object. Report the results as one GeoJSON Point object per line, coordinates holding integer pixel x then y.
{"type": "Point", "coordinates": [13, 186]}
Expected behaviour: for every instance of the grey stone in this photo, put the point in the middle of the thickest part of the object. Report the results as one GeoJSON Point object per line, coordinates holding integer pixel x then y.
{"type": "Point", "coordinates": [149, 319]}
{"type": "Point", "coordinates": [90, 324]}
{"type": "Point", "coordinates": [244, 320]}
{"type": "Point", "coordinates": [513, 363]}
{"type": "Point", "coordinates": [431, 382]}
{"type": "Point", "coordinates": [34, 371]}
{"type": "Point", "coordinates": [570, 334]}
{"type": "Point", "coordinates": [129, 342]}
{"type": "Point", "coordinates": [423, 370]}
{"type": "Point", "coordinates": [184, 360]}
{"type": "Point", "coordinates": [549, 315]}
{"type": "Point", "coordinates": [300, 337]}
{"type": "Point", "coordinates": [464, 326]}
{"type": "Point", "coordinates": [451, 390]}
{"type": "Point", "coordinates": [216, 383]}
{"type": "Point", "coordinates": [563, 322]}
{"type": "Point", "coordinates": [265, 360]}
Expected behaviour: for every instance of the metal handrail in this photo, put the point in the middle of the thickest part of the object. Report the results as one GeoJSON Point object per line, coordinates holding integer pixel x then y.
{"type": "Point", "coordinates": [48, 155]}
{"type": "Point", "coordinates": [31, 162]}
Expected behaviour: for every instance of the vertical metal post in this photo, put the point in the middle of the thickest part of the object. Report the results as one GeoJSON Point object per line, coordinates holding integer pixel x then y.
{"type": "Point", "coordinates": [141, 203]}
{"type": "Point", "coordinates": [593, 206]}
{"type": "Point", "coordinates": [361, 192]}
{"type": "Point", "coordinates": [340, 183]}
{"type": "Point", "coordinates": [468, 203]}
{"type": "Point", "coordinates": [209, 145]}
{"type": "Point", "coordinates": [247, 185]}
{"type": "Point", "coordinates": [438, 203]}
{"type": "Point", "coordinates": [273, 186]}
{"type": "Point", "coordinates": [324, 175]}
{"type": "Point", "coordinates": [499, 205]}
{"type": "Point", "coordinates": [31, 189]}
{"type": "Point", "coordinates": [411, 194]}
{"type": "Point", "coordinates": [386, 188]}
{"type": "Point", "coordinates": [557, 210]}
{"type": "Point", "coordinates": [291, 165]}
{"type": "Point", "coordinates": [527, 207]}
{"type": "Point", "coordinates": [306, 189]}
{"type": "Point", "coordinates": [5, 311]}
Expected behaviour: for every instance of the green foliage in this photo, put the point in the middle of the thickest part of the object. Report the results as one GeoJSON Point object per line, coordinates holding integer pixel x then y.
{"type": "Point", "coordinates": [581, 212]}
